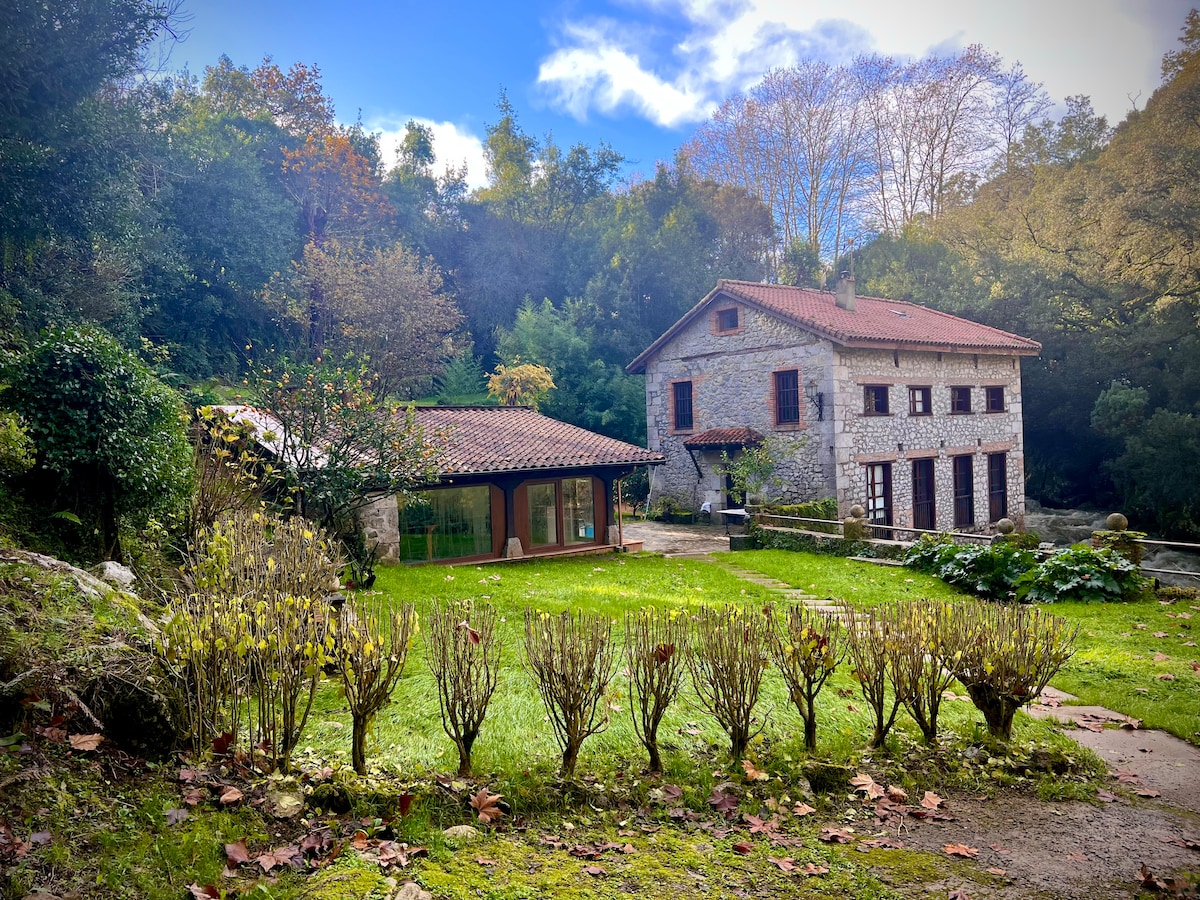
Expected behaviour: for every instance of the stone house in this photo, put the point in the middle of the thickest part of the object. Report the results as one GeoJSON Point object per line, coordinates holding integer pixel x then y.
{"type": "Point", "coordinates": [913, 413]}
{"type": "Point", "coordinates": [512, 483]}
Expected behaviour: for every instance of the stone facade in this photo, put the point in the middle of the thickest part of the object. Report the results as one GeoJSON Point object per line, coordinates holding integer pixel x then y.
{"type": "Point", "coordinates": [380, 523]}
{"type": "Point", "coordinates": [828, 452]}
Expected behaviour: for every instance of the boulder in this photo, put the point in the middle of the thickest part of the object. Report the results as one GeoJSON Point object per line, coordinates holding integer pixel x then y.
{"type": "Point", "coordinates": [115, 574]}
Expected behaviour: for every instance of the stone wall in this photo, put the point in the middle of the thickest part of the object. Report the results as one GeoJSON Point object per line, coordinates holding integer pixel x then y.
{"type": "Point", "coordinates": [900, 438]}
{"type": "Point", "coordinates": [380, 523]}
{"type": "Point", "coordinates": [733, 387]}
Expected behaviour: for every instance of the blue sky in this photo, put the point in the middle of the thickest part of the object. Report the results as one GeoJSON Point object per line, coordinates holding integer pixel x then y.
{"type": "Point", "coordinates": [641, 74]}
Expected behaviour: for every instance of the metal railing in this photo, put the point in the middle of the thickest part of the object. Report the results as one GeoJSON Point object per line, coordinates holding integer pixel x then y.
{"type": "Point", "coordinates": [833, 526]}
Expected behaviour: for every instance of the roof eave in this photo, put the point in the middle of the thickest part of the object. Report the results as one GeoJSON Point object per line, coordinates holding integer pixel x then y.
{"type": "Point", "coordinates": [638, 366]}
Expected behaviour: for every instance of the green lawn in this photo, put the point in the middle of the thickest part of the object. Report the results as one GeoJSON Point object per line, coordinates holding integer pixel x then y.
{"type": "Point", "coordinates": [1115, 664]}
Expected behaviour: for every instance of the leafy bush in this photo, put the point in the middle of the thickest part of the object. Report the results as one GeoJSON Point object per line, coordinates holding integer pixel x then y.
{"type": "Point", "coordinates": [17, 453]}
{"type": "Point", "coordinates": [255, 626]}
{"type": "Point", "coordinates": [814, 509]}
{"type": "Point", "coordinates": [870, 641]}
{"type": "Point", "coordinates": [572, 659]}
{"type": "Point", "coordinates": [991, 571]}
{"type": "Point", "coordinates": [1023, 540]}
{"type": "Point", "coordinates": [1005, 655]}
{"type": "Point", "coordinates": [372, 647]}
{"type": "Point", "coordinates": [727, 664]}
{"type": "Point", "coordinates": [656, 646]}
{"type": "Point", "coordinates": [1082, 573]}
{"type": "Point", "coordinates": [463, 654]}
{"type": "Point", "coordinates": [806, 648]}
{"type": "Point", "coordinates": [919, 655]}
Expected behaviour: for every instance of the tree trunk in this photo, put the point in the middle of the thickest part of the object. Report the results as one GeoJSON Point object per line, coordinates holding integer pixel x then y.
{"type": "Point", "coordinates": [570, 758]}
{"type": "Point", "coordinates": [110, 529]}
{"type": "Point", "coordinates": [464, 744]}
{"type": "Point", "coordinates": [810, 732]}
{"type": "Point", "coordinates": [655, 758]}
{"type": "Point", "coordinates": [358, 751]}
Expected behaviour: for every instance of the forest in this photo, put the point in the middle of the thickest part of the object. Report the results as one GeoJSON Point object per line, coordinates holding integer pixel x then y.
{"type": "Point", "coordinates": [217, 224]}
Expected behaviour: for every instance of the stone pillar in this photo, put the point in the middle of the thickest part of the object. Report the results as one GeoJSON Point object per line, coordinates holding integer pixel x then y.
{"type": "Point", "coordinates": [1119, 539]}
{"type": "Point", "coordinates": [380, 524]}
{"type": "Point", "coordinates": [854, 526]}
{"type": "Point", "coordinates": [513, 548]}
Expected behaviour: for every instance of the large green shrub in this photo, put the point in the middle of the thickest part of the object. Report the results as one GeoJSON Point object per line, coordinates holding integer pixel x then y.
{"type": "Point", "coordinates": [991, 571]}
{"type": "Point", "coordinates": [111, 435]}
{"type": "Point", "coordinates": [1081, 573]}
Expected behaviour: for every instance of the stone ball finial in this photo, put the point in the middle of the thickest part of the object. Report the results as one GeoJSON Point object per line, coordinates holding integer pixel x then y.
{"type": "Point", "coordinates": [857, 512]}
{"type": "Point", "coordinates": [1006, 526]}
{"type": "Point", "coordinates": [1116, 522]}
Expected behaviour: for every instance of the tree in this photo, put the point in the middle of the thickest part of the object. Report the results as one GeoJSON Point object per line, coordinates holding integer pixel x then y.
{"type": "Point", "coordinates": [520, 383]}
{"type": "Point", "coordinates": [384, 305]}
{"type": "Point", "coordinates": [339, 443]}
{"type": "Point", "coordinates": [111, 435]}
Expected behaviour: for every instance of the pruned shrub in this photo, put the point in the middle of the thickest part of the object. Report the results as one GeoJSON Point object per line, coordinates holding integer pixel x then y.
{"type": "Point", "coordinates": [806, 647]}
{"type": "Point", "coordinates": [921, 647]}
{"type": "Point", "coordinates": [572, 658]}
{"type": "Point", "coordinates": [868, 642]}
{"type": "Point", "coordinates": [1005, 656]}
{"type": "Point", "coordinates": [1082, 573]}
{"type": "Point", "coordinates": [729, 654]}
{"type": "Point", "coordinates": [463, 653]}
{"type": "Point", "coordinates": [372, 647]}
{"type": "Point", "coordinates": [249, 639]}
{"type": "Point", "coordinates": [656, 650]}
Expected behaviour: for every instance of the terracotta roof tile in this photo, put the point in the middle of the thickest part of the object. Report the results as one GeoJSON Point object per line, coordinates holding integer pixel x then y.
{"type": "Point", "coordinates": [493, 439]}
{"type": "Point", "coordinates": [874, 322]}
{"type": "Point", "coordinates": [725, 437]}
{"type": "Point", "coordinates": [877, 320]}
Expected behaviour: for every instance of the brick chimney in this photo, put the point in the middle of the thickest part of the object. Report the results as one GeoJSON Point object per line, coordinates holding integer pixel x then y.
{"type": "Point", "coordinates": [845, 291]}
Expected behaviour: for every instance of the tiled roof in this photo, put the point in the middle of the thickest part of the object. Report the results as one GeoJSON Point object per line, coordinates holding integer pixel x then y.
{"type": "Point", "coordinates": [493, 439]}
{"type": "Point", "coordinates": [480, 440]}
{"type": "Point", "coordinates": [874, 322]}
{"type": "Point", "coordinates": [725, 437]}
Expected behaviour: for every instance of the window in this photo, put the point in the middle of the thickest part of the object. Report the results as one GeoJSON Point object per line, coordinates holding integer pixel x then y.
{"type": "Point", "coordinates": [993, 398]}
{"type": "Point", "coordinates": [924, 502]}
{"type": "Point", "coordinates": [964, 492]}
{"type": "Point", "coordinates": [445, 524]}
{"type": "Point", "coordinates": [543, 514]}
{"type": "Point", "coordinates": [879, 494]}
{"type": "Point", "coordinates": [919, 401]}
{"type": "Point", "coordinates": [960, 400]}
{"type": "Point", "coordinates": [727, 319]}
{"type": "Point", "coordinates": [997, 486]}
{"type": "Point", "coordinates": [875, 400]}
{"type": "Point", "coordinates": [682, 395]}
{"type": "Point", "coordinates": [787, 397]}
{"type": "Point", "coordinates": [579, 515]}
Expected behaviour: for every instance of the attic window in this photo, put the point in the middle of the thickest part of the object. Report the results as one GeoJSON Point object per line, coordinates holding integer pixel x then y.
{"type": "Point", "coordinates": [727, 319]}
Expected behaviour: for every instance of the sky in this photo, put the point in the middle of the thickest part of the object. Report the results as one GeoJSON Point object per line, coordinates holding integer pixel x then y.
{"type": "Point", "coordinates": [640, 75]}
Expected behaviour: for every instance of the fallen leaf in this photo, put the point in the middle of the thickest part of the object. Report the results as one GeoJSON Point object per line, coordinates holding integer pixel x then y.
{"type": "Point", "coordinates": [175, 816]}
{"type": "Point", "coordinates": [753, 774]}
{"type": "Point", "coordinates": [995, 871]}
{"type": "Point", "coordinates": [595, 871]}
{"type": "Point", "coordinates": [813, 869]}
{"type": "Point", "coordinates": [1161, 634]}
{"type": "Point", "coordinates": [1076, 856]}
{"type": "Point", "coordinates": [832, 835]}
{"type": "Point", "coordinates": [236, 854]}
{"type": "Point", "coordinates": [931, 800]}
{"type": "Point", "coordinates": [1146, 792]}
{"type": "Point", "coordinates": [485, 862]}
{"type": "Point", "coordinates": [787, 864]}
{"type": "Point", "coordinates": [86, 741]}
{"type": "Point", "coordinates": [743, 848]}
{"type": "Point", "coordinates": [958, 894]}
{"type": "Point", "coordinates": [203, 893]}
{"type": "Point", "coordinates": [961, 850]}
{"type": "Point", "coordinates": [1165, 676]}
{"type": "Point", "coordinates": [1160, 657]}
{"type": "Point", "coordinates": [485, 805]}
{"type": "Point", "coordinates": [723, 802]}
{"type": "Point", "coordinates": [1105, 796]}
{"type": "Point", "coordinates": [231, 795]}
{"type": "Point", "coordinates": [803, 809]}
{"type": "Point", "coordinates": [472, 635]}
{"type": "Point", "coordinates": [896, 794]}
{"type": "Point", "coordinates": [663, 652]}
{"type": "Point", "coordinates": [867, 785]}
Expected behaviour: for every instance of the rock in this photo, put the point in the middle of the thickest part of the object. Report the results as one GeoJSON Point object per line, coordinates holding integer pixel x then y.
{"type": "Point", "coordinates": [458, 835]}
{"type": "Point", "coordinates": [412, 891]}
{"type": "Point", "coordinates": [330, 797]}
{"type": "Point", "coordinates": [827, 778]}
{"type": "Point", "coordinates": [115, 574]}
{"type": "Point", "coordinates": [1116, 522]}
{"type": "Point", "coordinates": [1006, 526]}
{"type": "Point", "coordinates": [285, 799]}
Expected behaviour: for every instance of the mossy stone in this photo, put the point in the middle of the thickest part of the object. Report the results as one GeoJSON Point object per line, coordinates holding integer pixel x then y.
{"type": "Point", "coordinates": [827, 777]}
{"type": "Point", "coordinates": [331, 797]}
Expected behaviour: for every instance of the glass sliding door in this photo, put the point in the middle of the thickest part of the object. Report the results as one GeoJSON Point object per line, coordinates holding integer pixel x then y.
{"type": "Point", "coordinates": [579, 515]}
{"type": "Point", "coordinates": [447, 523]}
{"type": "Point", "coordinates": [543, 514]}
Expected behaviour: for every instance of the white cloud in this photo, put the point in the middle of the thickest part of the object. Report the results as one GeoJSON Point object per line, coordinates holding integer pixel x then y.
{"type": "Point", "coordinates": [672, 61]}
{"type": "Point", "coordinates": [453, 147]}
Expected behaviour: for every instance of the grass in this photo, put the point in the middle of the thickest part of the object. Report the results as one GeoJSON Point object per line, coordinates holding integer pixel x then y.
{"type": "Point", "coordinates": [110, 832]}
{"type": "Point", "coordinates": [1114, 666]}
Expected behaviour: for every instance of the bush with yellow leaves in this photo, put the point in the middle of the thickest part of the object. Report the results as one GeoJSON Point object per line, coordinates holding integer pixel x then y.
{"type": "Point", "coordinates": [806, 647]}
{"type": "Point", "coordinates": [656, 647]}
{"type": "Point", "coordinates": [727, 663]}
